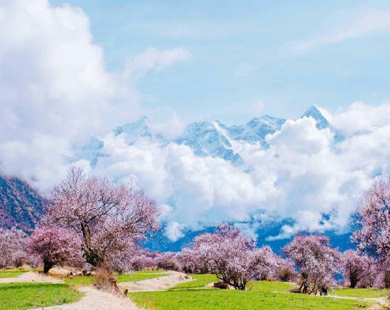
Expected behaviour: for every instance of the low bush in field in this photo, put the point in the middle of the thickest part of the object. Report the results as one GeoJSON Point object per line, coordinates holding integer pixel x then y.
{"type": "Point", "coordinates": [15, 296]}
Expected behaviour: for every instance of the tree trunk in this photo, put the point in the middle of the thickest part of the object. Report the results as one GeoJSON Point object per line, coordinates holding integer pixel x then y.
{"type": "Point", "coordinates": [46, 267]}
{"type": "Point", "coordinates": [353, 279]}
{"type": "Point", "coordinates": [386, 278]}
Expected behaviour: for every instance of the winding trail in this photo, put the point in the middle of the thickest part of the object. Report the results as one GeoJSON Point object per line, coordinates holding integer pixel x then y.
{"type": "Point", "coordinates": [32, 277]}
{"type": "Point", "coordinates": [94, 299]}
{"type": "Point", "coordinates": [382, 302]}
{"type": "Point", "coordinates": [156, 284]}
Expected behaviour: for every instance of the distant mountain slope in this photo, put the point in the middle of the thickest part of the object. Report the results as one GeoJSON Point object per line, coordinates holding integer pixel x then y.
{"type": "Point", "coordinates": [20, 205]}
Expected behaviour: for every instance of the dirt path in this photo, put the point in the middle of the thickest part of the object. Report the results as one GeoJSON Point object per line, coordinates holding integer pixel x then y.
{"type": "Point", "coordinates": [97, 300]}
{"type": "Point", "coordinates": [381, 301]}
{"type": "Point", "coordinates": [94, 299]}
{"type": "Point", "coordinates": [31, 277]}
{"type": "Point", "coordinates": [156, 284]}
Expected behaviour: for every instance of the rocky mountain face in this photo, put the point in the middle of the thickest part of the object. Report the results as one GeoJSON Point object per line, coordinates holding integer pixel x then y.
{"type": "Point", "coordinates": [20, 205]}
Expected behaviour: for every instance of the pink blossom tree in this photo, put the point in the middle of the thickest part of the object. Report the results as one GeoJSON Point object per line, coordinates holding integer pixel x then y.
{"type": "Point", "coordinates": [316, 261]}
{"type": "Point", "coordinates": [12, 245]}
{"type": "Point", "coordinates": [106, 218]}
{"type": "Point", "coordinates": [372, 221]}
{"type": "Point", "coordinates": [167, 260]}
{"type": "Point", "coordinates": [144, 259]}
{"type": "Point", "coordinates": [357, 268]}
{"type": "Point", "coordinates": [285, 270]}
{"type": "Point", "coordinates": [265, 263]}
{"type": "Point", "coordinates": [55, 246]}
{"type": "Point", "coordinates": [230, 255]}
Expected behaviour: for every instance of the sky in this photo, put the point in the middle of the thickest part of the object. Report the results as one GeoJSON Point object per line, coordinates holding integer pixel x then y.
{"type": "Point", "coordinates": [74, 70]}
{"type": "Point", "coordinates": [249, 57]}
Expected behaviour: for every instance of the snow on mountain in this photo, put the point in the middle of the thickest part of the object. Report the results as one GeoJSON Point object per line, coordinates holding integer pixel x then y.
{"type": "Point", "coordinates": [207, 138]}
{"type": "Point", "coordinates": [255, 130]}
{"type": "Point", "coordinates": [321, 121]}
{"type": "Point", "coordinates": [136, 130]}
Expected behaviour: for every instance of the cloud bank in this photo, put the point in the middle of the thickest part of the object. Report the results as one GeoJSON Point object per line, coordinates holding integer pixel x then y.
{"type": "Point", "coordinates": [304, 174]}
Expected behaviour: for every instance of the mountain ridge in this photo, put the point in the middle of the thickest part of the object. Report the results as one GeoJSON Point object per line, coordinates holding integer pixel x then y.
{"type": "Point", "coordinates": [209, 138]}
{"type": "Point", "coordinates": [21, 206]}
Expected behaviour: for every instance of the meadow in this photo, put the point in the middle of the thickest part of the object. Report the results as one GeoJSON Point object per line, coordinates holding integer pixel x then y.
{"type": "Point", "coordinates": [360, 292]}
{"type": "Point", "coordinates": [18, 296]}
{"type": "Point", "coordinates": [197, 294]}
{"type": "Point", "coordinates": [262, 295]}
{"type": "Point", "coordinates": [4, 274]}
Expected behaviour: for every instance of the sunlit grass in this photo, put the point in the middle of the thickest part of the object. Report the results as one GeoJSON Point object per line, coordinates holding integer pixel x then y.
{"type": "Point", "coordinates": [15, 296]}
{"type": "Point", "coordinates": [260, 295]}
{"type": "Point", "coordinates": [136, 276]}
{"type": "Point", "coordinates": [201, 280]}
{"type": "Point", "coordinates": [360, 292]}
{"type": "Point", "coordinates": [12, 273]}
{"type": "Point", "coordinates": [270, 286]}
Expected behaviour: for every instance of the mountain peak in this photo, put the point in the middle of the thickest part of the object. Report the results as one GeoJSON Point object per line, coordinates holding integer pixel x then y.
{"type": "Point", "coordinates": [136, 129]}
{"type": "Point", "coordinates": [314, 112]}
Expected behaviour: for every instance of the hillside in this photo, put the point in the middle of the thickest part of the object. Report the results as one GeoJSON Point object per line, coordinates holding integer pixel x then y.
{"type": "Point", "coordinates": [20, 205]}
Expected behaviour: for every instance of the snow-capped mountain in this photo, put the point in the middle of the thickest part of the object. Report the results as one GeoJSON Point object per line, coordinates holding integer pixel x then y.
{"type": "Point", "coordinates": [255, 130]}
{"type": "Point", "coordinates": [207, 138]}
{"type": "Point", "coordinates": [321, 121]}
{"type": "Point", "coordinates": [136, 130]}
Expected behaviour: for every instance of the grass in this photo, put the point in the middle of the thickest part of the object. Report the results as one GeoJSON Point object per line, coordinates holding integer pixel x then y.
{"type": "Point", "coordinates": [18, 296]}
{"type": "Point", "coordinates": [260, 297]}
{"type": "Point", "coordinates": [360, 292]}
{"type": "Point", "coordinates": [270, 286]}
{"type": "Point", "coordinates": [136, 276]}
{"type": "Point", "coordinates": [201, 280]}
{"type": "Point", "coordinates": [12, 273]}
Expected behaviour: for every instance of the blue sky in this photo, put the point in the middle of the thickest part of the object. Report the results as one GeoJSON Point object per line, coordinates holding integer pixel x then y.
{"type": "Point", "coordinates": [244, 52]}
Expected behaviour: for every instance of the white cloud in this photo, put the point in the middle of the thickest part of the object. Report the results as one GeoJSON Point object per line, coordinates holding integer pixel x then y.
{"type": "Point", "coordinates": [303, 175]}
{"type": "Point", "coordinates": [171, 128]}
{"type": "Point", "coordinates": [360, 118]}
{"type": "Point", "coordinates": [174, 231]}
{"type": "Point", "coordinates": [53, 84]}
{"type": "Point", "coordinates": [55, 89]}
{"type": "Point", "coordinates": [154, 59]}
{"type": "Point", "coordinates": [364, 22]}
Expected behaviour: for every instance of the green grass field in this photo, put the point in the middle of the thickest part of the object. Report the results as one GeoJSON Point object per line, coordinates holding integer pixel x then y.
{"type": "Point", "coordinates": [270, 286]}
{"type": "Point", "coordinates": [201, 280]}
{"type": "Point", "coordinates": [262, 295]}
{"type": "Point", "coordinates": [187, 299]}
{"type": "Point", "coordinates": [12, 273]}
{"type": "Point", "coordinates": [360, 292]}
{"type": "Point", "coordinates": [17, 296]}
{"type": "Point", "coordinates": [136, 276]}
